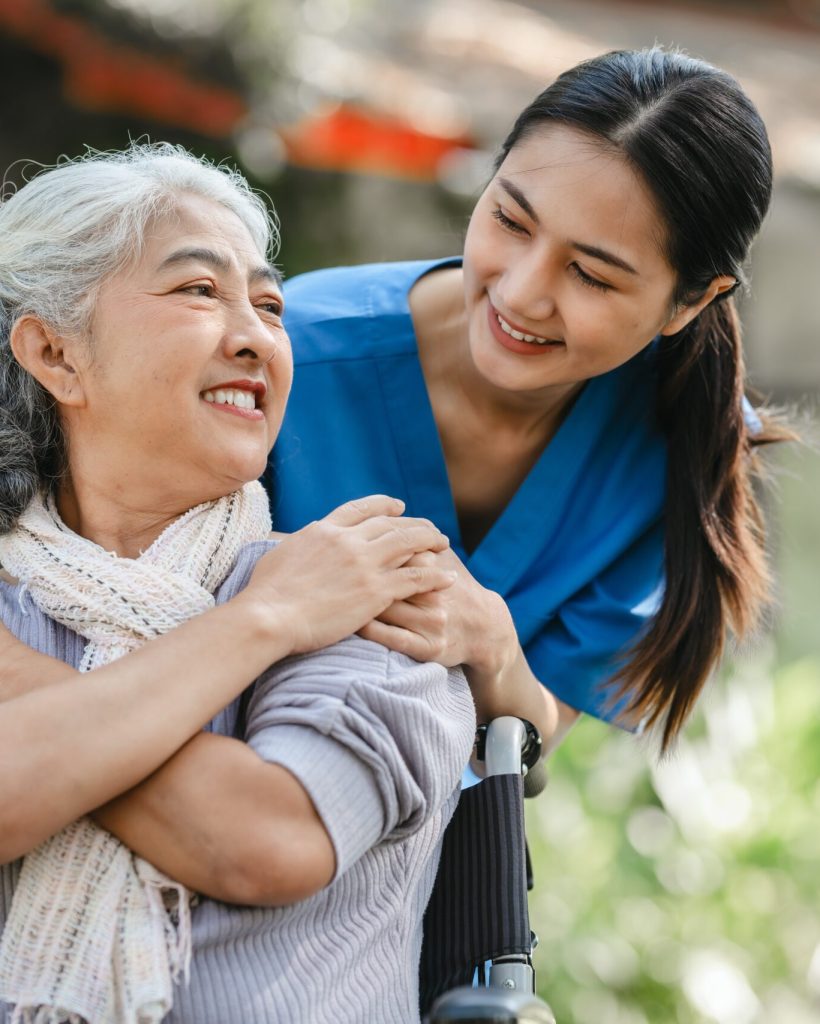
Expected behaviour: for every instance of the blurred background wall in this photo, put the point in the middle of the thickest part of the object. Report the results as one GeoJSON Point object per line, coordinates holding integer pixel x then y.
{"type": "Point", "coordinates": [682, 892]}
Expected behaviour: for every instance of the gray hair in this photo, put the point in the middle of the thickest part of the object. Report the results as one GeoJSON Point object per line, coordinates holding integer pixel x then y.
{"type": "Point", "coordinates": [61, 236]}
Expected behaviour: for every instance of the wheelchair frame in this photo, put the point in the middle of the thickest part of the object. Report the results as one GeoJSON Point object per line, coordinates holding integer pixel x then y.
{"type": "Point", "coordinates": [509, 994]}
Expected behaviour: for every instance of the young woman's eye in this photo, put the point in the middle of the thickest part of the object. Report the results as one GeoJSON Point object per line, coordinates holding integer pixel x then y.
{"type": "Point", "coordinates": [507, 222]}
{"type": "Point", "coordinates": [590, 282]}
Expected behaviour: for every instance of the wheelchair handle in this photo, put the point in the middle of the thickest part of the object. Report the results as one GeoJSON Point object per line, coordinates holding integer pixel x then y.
{"type": "Point", "coordinates": [512, 746]}
{"type": "Point", "coordinates": [503, 744]}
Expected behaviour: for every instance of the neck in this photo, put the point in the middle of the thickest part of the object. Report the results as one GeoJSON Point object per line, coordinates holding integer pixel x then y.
{"type": "Point", "coordinates": [532, 414]}
{"type": "Point", "coordinates": [107, 518]}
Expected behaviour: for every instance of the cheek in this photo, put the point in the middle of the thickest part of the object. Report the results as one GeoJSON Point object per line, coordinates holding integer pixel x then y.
{"type": "Point", "coordinates": [479, 247]}
{"type": "Point", "coordinates": [282, 365]}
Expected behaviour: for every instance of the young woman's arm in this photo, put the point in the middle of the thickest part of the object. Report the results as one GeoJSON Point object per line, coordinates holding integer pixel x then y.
{"type": "Point", "coordinates": [65, 749]}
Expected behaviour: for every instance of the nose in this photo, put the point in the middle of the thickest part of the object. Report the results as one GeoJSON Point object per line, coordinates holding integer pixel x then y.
{"type": "Point", "coordinates": [247, 336]}
{"type": "Point", "coordinates": [526, 288]}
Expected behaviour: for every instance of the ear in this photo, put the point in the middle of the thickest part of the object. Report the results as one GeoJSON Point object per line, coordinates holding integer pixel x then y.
{"type": "Point", "coordinates": [685, 314]}
{"type": "Point", "coordinates": [49, 358]}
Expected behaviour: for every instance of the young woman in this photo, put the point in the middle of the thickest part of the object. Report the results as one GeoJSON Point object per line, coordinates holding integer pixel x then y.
{"type": "Point", "coordinates": [565, 401]}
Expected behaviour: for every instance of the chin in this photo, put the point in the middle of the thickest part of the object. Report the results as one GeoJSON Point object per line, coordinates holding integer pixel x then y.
{"type": "Point", "coordinates": [243, 466]}
{"type": "Point", "coordinates": [213, 484]}
{"type": "Point", "coordinates": [495, 370]}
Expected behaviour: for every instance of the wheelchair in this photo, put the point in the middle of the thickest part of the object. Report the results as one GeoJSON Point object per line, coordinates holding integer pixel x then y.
{"type": "Point", "coordinates": [476, 961]}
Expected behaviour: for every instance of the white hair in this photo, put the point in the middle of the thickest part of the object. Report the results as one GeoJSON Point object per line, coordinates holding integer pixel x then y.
{"type": "Point", "coordinates": [61, 235]}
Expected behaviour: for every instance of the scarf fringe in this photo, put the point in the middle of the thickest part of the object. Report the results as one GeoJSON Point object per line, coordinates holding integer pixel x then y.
{"type": "Point", "coordinates": [44, 1015]}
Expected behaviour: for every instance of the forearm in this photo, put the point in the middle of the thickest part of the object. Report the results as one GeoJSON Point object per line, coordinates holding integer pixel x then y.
{"type": "Point", "coordinates": [224, 823]}
{"type": "Point", "coordinates": [515, 690]}
{"type": "Point", "coordinates": [503, 683]}
{"type": "Point", "coordinates": [65, 749]}
{"type": "Point", "coordinates": [24, 670]}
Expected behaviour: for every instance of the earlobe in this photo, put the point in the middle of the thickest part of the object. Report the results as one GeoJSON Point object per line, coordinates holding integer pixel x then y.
{"type": "Point", "coordinates": [48, 358]}
{"type": "Point", "coordinates": [685, 314]}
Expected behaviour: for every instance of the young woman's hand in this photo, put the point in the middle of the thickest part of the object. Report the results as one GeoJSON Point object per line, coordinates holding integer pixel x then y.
{"type": "Point", "coordinates": [468, 625]}
{"type": "Point", "coordinates": [465, 624]}
{"type": "Point", "coordinates": [330, 578]}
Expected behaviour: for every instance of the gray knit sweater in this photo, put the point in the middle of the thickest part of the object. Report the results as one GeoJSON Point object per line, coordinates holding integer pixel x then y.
{"type": "Point", "coordinates": [379, 742]}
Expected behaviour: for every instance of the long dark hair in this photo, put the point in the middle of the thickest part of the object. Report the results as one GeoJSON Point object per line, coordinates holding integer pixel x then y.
{"type": "Point", "coordinates": [698, 142]}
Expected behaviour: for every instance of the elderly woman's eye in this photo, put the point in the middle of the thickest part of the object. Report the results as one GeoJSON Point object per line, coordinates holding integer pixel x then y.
{"type": "Point", "coordinates": [204, 291]}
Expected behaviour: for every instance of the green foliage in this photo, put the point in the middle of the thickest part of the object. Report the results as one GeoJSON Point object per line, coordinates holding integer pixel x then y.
{"type": "Point", "coordinates": [686, 891]}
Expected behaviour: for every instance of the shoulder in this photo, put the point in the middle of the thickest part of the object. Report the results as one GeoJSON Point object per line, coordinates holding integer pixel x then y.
{"type": "Point", "coordinates": [242, 569]}
{"type": "Point", "coordinates": [9, 596]}
{"type": "Point", "coordinates": [337, 312]}
{"type": "Point", "coordinates": [340, 291]}
{"type": "Point", "coordinates": [25, 620]}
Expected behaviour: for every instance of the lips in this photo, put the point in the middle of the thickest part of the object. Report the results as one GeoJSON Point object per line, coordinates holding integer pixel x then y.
{"type": "Point", "coordinates": [514, 338]}
{"type": "Point", "coordinates": [241, 397]}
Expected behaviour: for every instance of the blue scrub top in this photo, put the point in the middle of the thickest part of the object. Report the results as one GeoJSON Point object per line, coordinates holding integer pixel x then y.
{"type": "Point", "coordinates": [577, 553]}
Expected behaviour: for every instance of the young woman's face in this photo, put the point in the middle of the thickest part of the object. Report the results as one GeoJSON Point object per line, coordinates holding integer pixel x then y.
{"type": "Point", "coordinates": [189, 367]}
{"type": "Point", "coordinates": [564, 271]}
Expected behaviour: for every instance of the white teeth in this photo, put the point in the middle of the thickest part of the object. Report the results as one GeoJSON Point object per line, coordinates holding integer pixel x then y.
{"type": "Point", "coordinates": [505, 327]}
{"type": "Point", "coordinates": [231, 396]}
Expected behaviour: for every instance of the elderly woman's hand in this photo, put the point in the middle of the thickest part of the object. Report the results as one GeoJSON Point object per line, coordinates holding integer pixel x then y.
{"type": "Point", "coordinates": [327, 580]}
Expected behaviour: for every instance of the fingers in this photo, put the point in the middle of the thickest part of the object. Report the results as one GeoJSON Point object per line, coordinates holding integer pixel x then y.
{"type": "Point", "coordinates": [423, 558]}
{"type": "Point", "coordinates": [423, 613]}
{"type": "Point", "coordinates": [397, 639]}
{"type": "Point", "coordinates": [409, 580]}
{"type": "Point", "coordinates": [354, 512]}
{"type": "Point", "coordinates": [379, 527]}
{"type": "Point", "coordinates": [398, 545]}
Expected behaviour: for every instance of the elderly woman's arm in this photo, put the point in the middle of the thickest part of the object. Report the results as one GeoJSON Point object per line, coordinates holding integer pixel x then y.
{"type": "Point", "coordinates": [346, 747]}
{"type": "Point", "coordinates": [227, 824]}
{"type": "Point", "coordinates": [78, 746]}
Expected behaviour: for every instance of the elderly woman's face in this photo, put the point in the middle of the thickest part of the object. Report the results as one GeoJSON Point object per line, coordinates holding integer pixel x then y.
{"type": "Point", "coordinates": [189, 365]}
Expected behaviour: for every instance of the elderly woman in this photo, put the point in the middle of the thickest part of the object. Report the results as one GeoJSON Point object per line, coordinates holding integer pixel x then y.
{"type": "Point", "coordinates": [144, 372]}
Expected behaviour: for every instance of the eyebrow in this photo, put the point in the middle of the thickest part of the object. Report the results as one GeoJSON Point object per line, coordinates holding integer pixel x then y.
{"type": "Point", "coordinates": [263, 272]}
{"type": "Point", "coordinates": [590, 250]}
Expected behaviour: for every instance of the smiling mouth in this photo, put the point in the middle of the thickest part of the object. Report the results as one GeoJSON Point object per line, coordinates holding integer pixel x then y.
{"type": "Point", "coordinates": [533, 339]}
{"type": "Point", "coordinates": [236, 397]}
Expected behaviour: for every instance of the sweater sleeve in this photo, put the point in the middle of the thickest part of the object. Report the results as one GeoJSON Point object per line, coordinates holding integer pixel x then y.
{"type": "Point", "coordinates": [378, 740]}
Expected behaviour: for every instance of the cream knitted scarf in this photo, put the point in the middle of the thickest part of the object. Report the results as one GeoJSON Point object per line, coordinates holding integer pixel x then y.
{"type": "Point", "coordinates": [95, 934]}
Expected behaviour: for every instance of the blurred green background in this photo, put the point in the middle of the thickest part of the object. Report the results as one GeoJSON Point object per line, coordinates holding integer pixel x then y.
{"type": "Point", "coordinates": [667, 893]}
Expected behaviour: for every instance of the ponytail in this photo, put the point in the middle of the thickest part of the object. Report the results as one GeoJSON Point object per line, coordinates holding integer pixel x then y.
{"type": "Point", "coordinates": [715, 565]}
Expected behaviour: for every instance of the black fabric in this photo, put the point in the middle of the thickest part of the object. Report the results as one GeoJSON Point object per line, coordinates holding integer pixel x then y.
{"type": "Point", "coordinates": [478, 908]}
